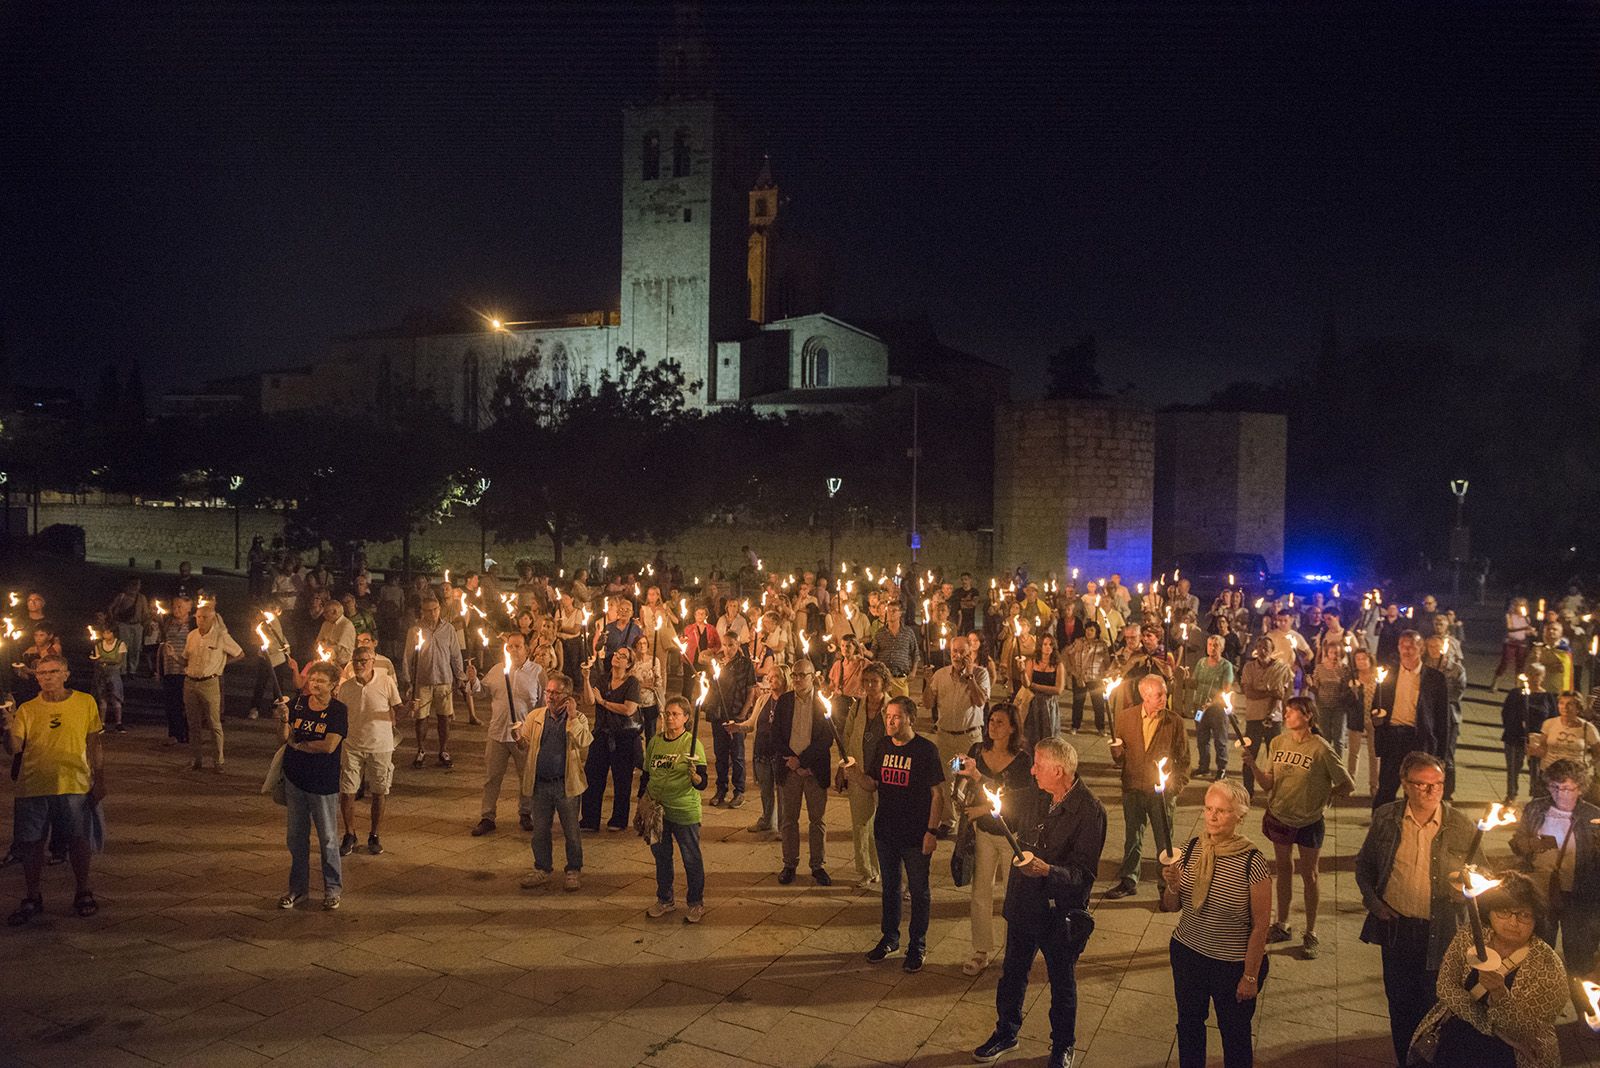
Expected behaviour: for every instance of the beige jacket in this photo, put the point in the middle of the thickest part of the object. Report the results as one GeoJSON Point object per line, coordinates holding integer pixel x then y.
{"type": "Point", "coordinates": [579, 735]}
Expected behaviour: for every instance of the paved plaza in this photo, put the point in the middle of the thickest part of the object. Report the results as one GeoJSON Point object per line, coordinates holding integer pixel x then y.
{"type": "Point", "coordinates": [438, 958]}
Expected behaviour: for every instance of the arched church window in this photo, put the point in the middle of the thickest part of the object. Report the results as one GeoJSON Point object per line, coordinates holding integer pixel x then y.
{"type": "Point", "coordinates": [815, 371]}
{"type": "Point", "coordinates": [652, 156]}
{"type": "Point", "coordinates": [680, 154]}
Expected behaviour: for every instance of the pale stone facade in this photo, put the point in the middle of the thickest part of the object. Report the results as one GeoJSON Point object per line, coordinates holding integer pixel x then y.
{"type": "Point", "coordinates": [1073, 487]}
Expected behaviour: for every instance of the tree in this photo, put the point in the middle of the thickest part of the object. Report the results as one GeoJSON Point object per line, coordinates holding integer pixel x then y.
{"type": "Point", "coordinates": [608, 460]}
{"type": "Point", "coordinates": [1074, 370]}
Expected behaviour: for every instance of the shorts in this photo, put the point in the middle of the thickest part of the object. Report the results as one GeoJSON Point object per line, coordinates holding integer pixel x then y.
{"type": "Point", "coordinates": [67, 815]}
{"type": "Point", "coordinates": [377, 768]}
{"type": "Point", "coordinates": [899, 686]}
{"type": "Point", "coordinates": [1307, 837]}
{"type": "Point", "coordinates": [436, 701]}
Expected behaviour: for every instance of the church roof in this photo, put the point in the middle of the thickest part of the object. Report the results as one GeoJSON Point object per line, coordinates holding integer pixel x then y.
{"type": "Point", "coordinates": [764, 179]}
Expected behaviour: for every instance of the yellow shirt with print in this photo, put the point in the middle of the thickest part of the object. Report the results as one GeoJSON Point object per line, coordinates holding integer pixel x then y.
{"type": "Point", "coordinates": [54, 739]}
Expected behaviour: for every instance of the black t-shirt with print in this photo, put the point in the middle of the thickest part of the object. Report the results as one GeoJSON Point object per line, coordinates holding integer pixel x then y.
{"type": "Point", "coordinates": [315, 773]}
{"type": "Point", "coordinates": [905, 774]}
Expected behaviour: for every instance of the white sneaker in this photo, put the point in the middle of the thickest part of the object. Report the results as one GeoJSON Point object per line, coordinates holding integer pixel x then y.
{"type": "Point", "coordinates": [255, 713]}
{"type": "Point", "coordinates": [535, 879]}
{"type": "Point", "coordinates": [659, 909]}
{"type": "Point", "coordinates": [976, 965]}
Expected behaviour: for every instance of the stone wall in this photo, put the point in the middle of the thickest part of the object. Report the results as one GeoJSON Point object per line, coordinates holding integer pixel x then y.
{"type": "Point", "coordinates": [204, 536]}
{"type": "Point", "coordinates": [1060, 466]}
{"type": "Point", "coordinates": [1220, 480]}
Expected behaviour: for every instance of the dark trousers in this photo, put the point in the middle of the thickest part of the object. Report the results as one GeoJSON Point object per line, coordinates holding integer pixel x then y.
{"type": "Point", "coordinates": [1203, 984]}
{"type": "Point", "coordinates": [1391, 744]}
{"type": "Point", "coordinates": [1516, 753]}
{"type": "Point", "coordinates": [1023, 942]}
{"type": "Point", "coordinates": [1409, 984]}
{"type": "Point", "coordinates": [1579, 925]}
{"type": "Point", "coordinates": [1452, 731]}
{"type": "Point", "coordinates": [891, 858]}
{"type": "Point", "coordinates": [1260, 732]}
{"type": "Point", "coordinates": [172, 699]}
{"type": "Point", "coordinates": [1097, 698]}
{"type": "Point", "coordinates": [1211, 737]}
{"type": "Point", "coordinates": [263, 683]}
{"type": "Point", "coordinates": [729, 750]}
{"type": "Point", "coordinates": [612, 753]}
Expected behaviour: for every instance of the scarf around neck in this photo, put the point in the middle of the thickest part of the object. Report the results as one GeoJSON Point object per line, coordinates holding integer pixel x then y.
{"type": "Point", "coordinates": [1210, 850]}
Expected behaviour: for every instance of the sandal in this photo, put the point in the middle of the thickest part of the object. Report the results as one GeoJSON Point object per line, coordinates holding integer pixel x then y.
{"type": "Point", "coordinates": [30, 907]}
{"type": "Point", "coordinates": [84, 904]}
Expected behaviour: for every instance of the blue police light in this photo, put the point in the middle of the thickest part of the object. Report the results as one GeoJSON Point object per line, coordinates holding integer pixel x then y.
{"type": "Point", "coordinates": [1317, 578]}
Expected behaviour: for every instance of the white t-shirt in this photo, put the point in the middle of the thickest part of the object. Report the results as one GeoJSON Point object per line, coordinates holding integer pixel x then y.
{"type": "Point", "coordinates": [371, 725]}
{"type": "Point", "coordinates": [1574, 743]}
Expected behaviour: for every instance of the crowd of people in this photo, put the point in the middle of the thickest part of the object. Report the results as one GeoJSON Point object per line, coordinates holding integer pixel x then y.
{"type": "Point", "coordinates": [934, 705]}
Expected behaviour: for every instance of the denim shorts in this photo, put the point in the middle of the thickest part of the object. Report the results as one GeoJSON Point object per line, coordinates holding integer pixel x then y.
{"type": "Point", "coordinates": [66, 814]}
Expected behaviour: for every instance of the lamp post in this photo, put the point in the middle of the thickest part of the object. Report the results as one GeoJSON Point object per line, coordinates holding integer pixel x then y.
{"type": "Point", "coordinates": [915, 452]}
{"type": "Point", "coordinates": [1460, 537]}
{"type": "Point", "coordinates": [234, 482]}
{"type": "Point", "coordinates": [834, 485]}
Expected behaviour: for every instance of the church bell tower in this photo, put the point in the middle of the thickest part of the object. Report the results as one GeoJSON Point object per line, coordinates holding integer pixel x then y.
{"type": "Point", "coordinates": [683, 225]}
{"type": "Point", "coordinates": [763, 217]}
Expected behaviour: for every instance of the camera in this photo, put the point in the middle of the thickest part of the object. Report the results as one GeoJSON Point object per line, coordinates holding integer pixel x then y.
{"type": "Point", "coordinates": [955, 763]}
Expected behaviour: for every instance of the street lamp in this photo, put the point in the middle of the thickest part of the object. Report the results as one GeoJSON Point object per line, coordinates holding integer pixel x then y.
{"type": "Point", "coordinates": [834, 485]}
{"type": "Point", "coordinates": [1460, 536]}
{"type": "Point", "coordinates": [234, 482]}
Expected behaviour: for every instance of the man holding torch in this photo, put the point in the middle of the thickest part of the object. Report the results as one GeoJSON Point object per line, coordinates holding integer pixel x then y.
{"type": "Point", "coordinates": [1046, 898]}
{"type": "Point", "coordinates": [1144, 736]}
{"type": "Point", "coordinates": [436, 670]}
{"type": "Point", "coordinates": [1403, 871]}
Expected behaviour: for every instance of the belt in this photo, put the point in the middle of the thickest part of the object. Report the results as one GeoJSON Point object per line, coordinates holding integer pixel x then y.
{"type": "Point", "coordinates": [202, 678]}
{"type": "Point", "coordinates": [969, 730]}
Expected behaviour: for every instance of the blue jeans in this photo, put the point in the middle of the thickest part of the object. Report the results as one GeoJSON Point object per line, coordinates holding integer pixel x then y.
{"type": "Point", "coordinates": [1212, 729]}
{"type": "Point", "coordinates": [729, 750]}
{"type": "Point", "coordinates": [890, 860]}
{"type": "Point", "coordinates": [687, 835]}
{"type": "Point", "coordinates": [550, 800]}
{"type": "Point", "coordinates": [304, 811]}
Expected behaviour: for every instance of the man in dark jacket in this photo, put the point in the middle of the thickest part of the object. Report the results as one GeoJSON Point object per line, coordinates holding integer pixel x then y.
{"type": "Point", "coordinates": [730, 688]}
{"type": "Point", "coordinates": [1403, 872]}
{"type": "Point", "coordinates": [1046, 900]}
{"type": "Point", "coordinates": [1410, 713]}
{"type": "Point", "coordinates": [802, 737]}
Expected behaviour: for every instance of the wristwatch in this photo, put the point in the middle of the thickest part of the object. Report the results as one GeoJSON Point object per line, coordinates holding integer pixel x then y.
{"type": "Point", "coordinates": [934, 831]}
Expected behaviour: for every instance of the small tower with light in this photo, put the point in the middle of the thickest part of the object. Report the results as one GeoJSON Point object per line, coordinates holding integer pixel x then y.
{"type": "Point", "coordinates": [763, 217]}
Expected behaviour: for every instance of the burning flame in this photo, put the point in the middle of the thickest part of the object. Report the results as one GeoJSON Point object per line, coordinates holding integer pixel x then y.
{"type": "Point", "coordinates": [483, 636]}
{"type": "Point", "coordinates": [805, 643]}
{"type": "Point", "coordinates": [1230, 578]}
{"type": "Point", "coordinates": [705, 688]}
{"type": "Point", "coordinates": [94, 635]}
{"type": "Point", "coordinates": [683, 607]}
{"type": "Point", "coordinates": [1161, 775]}
{"type": "Point", "coordinates": [658, 622]}
{"type": "Point", "coordinates": [261, 632]}
{"type": "Point", "coordinates": [323, 654]}
{"type": "Point", "coordinates": [683, 646]}
{"type": "Point", "coordinates": [508, 661]}
{"type": "Point", "coordinates": [14, 599]}
{"type": "Point", "coordinates": [421, 641]}
{"type": "Point", "coordinates": [162, 611]}
{"type": "Point", "coordinates": [1592, 1017]}
{"type": "Point", "coordinates": [1498, 816]}
{"type": "Point", "coordinates": [1335, 590]}
{"type": "Point", "coordinates": [1523, 681]}
{"type": "Point", "coordinates": [716, 669]}
{"type": "Point", "coordinates": [827, 705]}
{"type": "Point", "coordinates": [1016, 627]}
{"type": "Point", "coordinates": [201, 603]}
{"type": "Point", "coordinates": [1111, 685]}
{"type": "Point", "coordinates": [1383, 673]}
{"type": "Point", "coordinates": [994, 799]}
{"type": "Point", "coordinates": [1474, 883]}
{"type": "Point", "coordinates": [1227, 702]}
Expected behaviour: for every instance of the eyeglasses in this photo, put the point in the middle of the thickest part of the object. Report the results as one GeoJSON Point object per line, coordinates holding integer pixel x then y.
{"type": "Point", "coordinates": [1521, 915]}
{"type": "Point", "coordinates": [803, 674]}
{"type": "Point", "coordinates": [1425, 787]}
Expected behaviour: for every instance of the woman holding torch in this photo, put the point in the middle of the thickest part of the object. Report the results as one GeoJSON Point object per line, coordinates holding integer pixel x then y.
{"type": "Point", "coordinates": [1222, 885]}
{"type": "Point", "coordinates": [1301, 774]}
{"type": "Point", "coordinates": [1502, 1017]}
{"type": "Point", "coordinates": [998, 763]}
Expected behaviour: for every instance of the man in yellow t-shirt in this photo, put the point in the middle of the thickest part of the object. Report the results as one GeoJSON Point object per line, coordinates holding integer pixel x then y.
{"type": "Point", "coordinates": [58, 734]}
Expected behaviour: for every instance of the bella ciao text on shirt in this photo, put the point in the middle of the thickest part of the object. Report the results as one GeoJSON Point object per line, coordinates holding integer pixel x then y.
{"type": "Point", "coordinates": [896, 770]}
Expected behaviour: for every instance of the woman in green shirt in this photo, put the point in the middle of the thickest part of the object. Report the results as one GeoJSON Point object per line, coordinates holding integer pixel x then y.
{"type": "Point", "coordinates": [1302, 774]}
{"type": "Point", "coordinates": [675, 773]}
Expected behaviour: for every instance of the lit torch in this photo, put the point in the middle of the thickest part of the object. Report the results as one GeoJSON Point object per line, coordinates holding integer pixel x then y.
{"type": "Point", "coordinates": [1473, 884]}
{"type": "Point", "coordinates": [1498, 816]}
{"type": "Point", "coordinates": [1592, 993]}
{"type": "Point", "coordinates": [1020, 856]}
{"type": "Point", "coordinates": [1158, 816]}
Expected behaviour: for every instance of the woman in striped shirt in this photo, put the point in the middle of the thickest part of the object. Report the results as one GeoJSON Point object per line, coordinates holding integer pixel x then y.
{"type": "Point", "coordinates": [1223, 885]}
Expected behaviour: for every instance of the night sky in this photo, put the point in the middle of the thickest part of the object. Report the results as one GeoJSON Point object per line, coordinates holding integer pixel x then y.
{"type": "Point", "coordinates": [214, 187]}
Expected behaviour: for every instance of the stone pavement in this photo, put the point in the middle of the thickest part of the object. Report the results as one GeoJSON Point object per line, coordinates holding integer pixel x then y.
{"type": "Point", "coordinates": [438, 958]}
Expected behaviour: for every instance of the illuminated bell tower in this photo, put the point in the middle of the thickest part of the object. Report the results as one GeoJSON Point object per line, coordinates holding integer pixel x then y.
{"type": "Point", "coordinates": [683, 226]}
{"type": "Point", "coordinates": [763, 216]}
